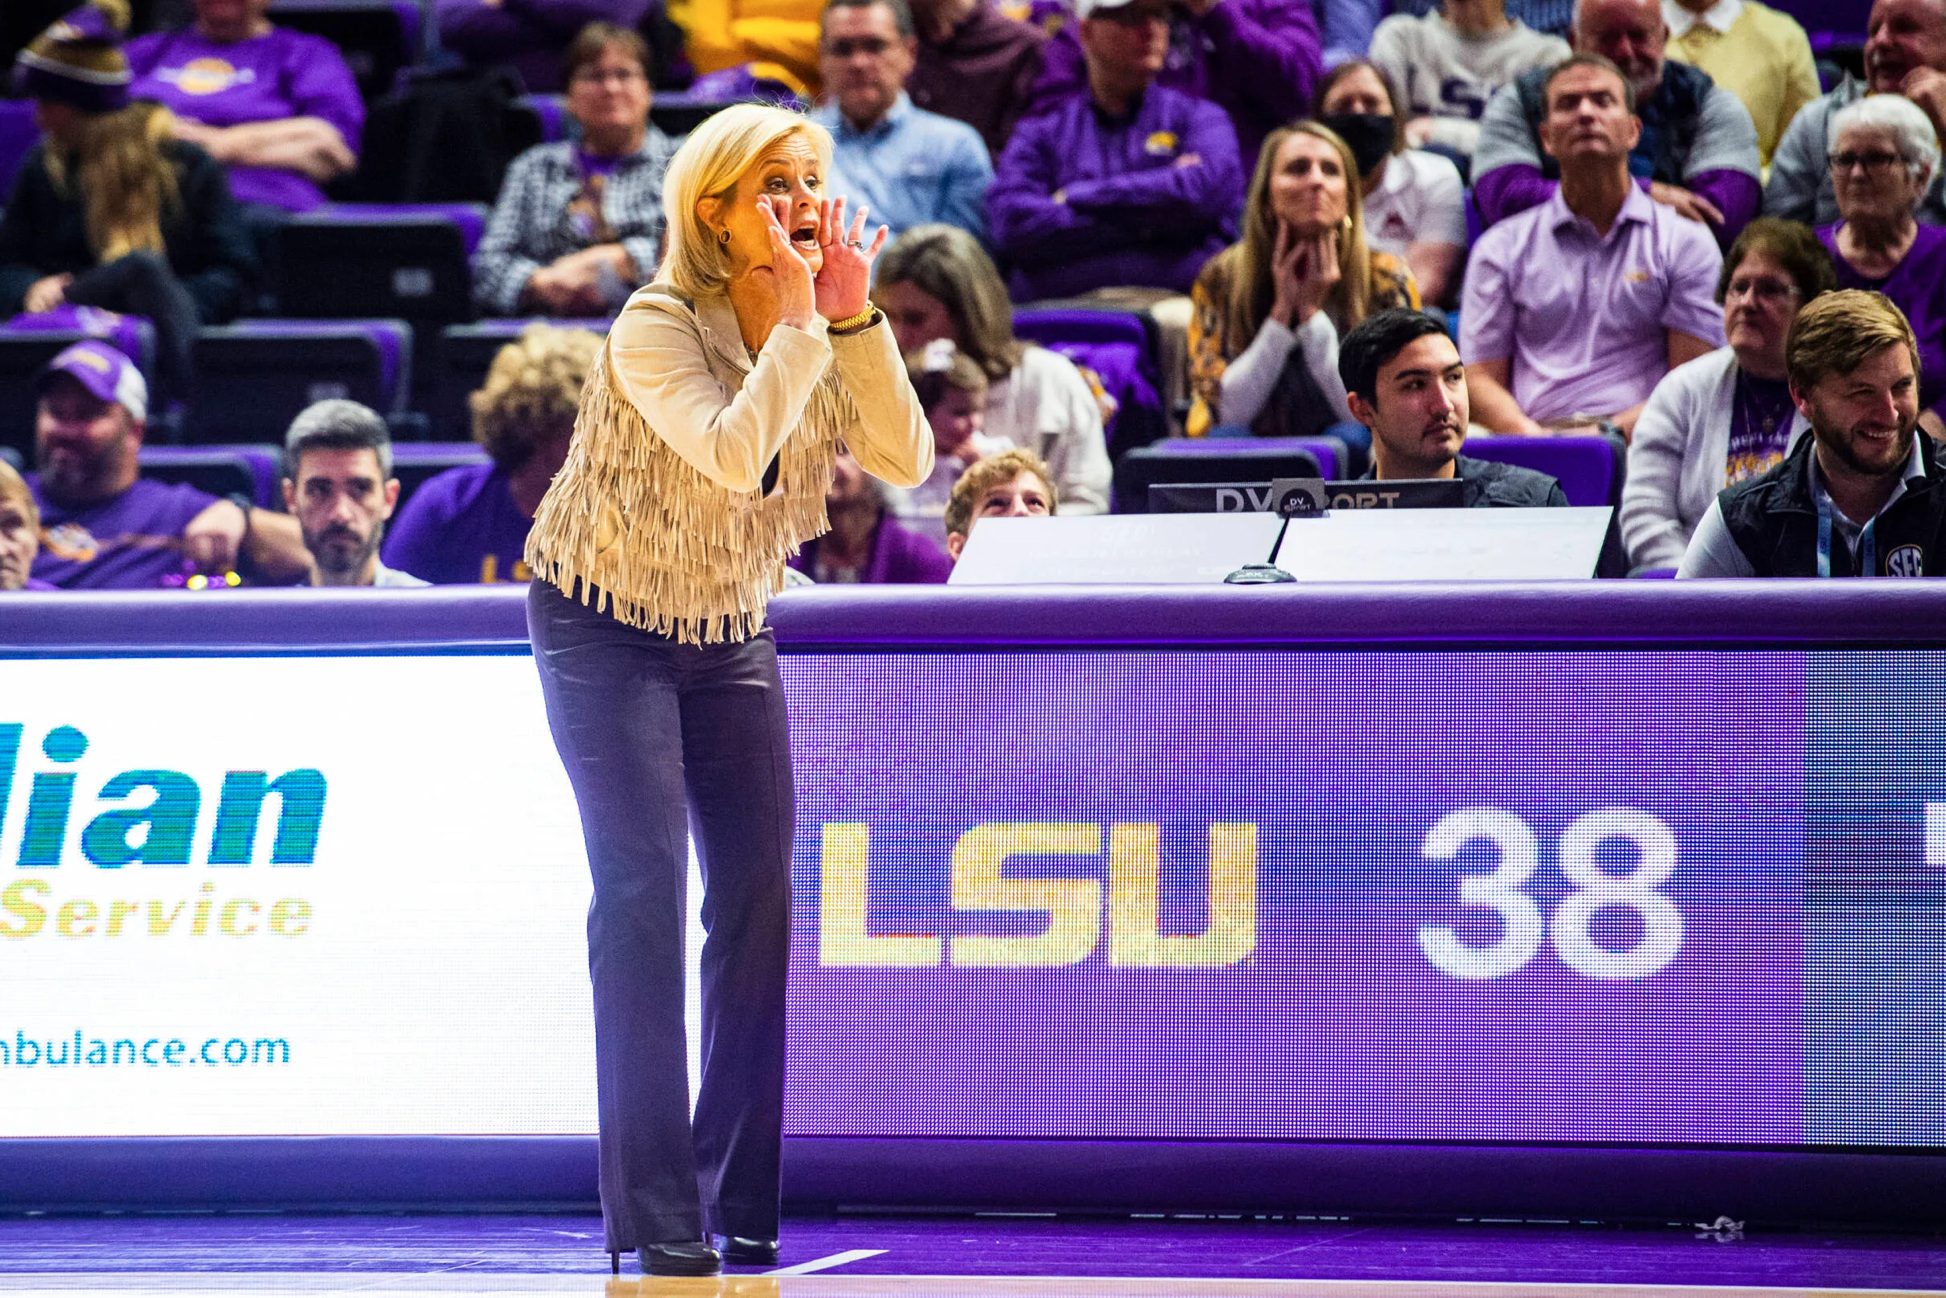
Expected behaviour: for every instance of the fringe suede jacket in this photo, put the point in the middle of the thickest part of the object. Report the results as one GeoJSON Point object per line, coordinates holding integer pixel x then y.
{"type": "Point", "coordinates": [662, 511]}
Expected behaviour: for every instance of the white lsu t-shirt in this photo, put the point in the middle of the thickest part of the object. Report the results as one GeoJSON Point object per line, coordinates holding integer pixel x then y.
{"type": "Point", "coordinates": [1418, 200]}
{"type": "Point", "coordinates": [1449, 77]}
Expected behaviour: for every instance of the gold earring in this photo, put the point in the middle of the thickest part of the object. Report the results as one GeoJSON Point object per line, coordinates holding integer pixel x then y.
{"type": "Point", "coordinates": [723, 237]}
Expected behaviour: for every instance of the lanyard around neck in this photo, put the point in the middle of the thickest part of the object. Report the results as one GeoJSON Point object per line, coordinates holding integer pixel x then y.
{"type": "Point", "coordinates": [1867, 540]}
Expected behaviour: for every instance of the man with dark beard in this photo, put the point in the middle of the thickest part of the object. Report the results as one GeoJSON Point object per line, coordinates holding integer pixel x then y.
{"type": "Point", "coordinates": [103, 527]}
{"type": "Point", "coordinates": [338, 482]}
{"type": "Point", "coordinates": [1864, 494]}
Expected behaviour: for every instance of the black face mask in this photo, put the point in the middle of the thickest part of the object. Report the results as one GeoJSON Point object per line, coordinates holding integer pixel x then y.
{"type": "Point", "coordinates": [1368, 134]}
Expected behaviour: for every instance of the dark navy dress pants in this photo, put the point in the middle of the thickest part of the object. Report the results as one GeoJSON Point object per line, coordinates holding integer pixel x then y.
{"type": "Point", "coordinates": [660, 739]}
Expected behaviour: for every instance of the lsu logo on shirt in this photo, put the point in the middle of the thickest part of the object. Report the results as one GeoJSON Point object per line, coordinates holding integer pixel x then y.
{"type": "Point", "coordinates": [1160, 144]}
{"type": "Point", "coordinates": [207, 76]}
{"type": "Point", "coordinates": [1906, 561]}
{"type": "Point", "coordinates": [70, 541]}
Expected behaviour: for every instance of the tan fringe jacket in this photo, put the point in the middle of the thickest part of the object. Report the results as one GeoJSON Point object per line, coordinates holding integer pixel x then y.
{"type": "Point", "coordinates": [660, 508]}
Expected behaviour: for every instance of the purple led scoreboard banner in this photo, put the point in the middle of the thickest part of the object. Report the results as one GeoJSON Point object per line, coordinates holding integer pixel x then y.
{"type": "Point", "coordinates": [1662, 896]}
{"type": "Point", "coordinates": [1640, 897]}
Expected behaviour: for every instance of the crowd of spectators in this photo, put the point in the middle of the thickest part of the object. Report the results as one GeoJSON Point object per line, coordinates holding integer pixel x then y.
{"type": "Point", "coordinates": [1637, 207]}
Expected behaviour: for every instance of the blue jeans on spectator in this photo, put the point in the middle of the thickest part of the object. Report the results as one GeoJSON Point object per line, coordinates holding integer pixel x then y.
{"type": "Point", "coordinates": [660, 738]}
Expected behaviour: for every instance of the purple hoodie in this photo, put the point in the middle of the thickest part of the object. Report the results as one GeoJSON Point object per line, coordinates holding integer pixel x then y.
{"type": "Point", "coordinates": [1257, 59]}
{"type": "Point", "coordinates": [1132, 212]}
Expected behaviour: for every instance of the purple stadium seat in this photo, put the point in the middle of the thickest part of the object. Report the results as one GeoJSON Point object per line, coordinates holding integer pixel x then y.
{"type": "Point", "coordinates": [18, 136]}
{"type": "Point", "coordinates": [377, 37]}
{"type": "Point", "coordinates": [132, 335]}
{"type": "Point", "coordinates": [220, 470]}
{"type": "Point", "coordinates": [415, 462]}
{"type": "Point", "coordinates": [378, 261]}
{"type": "Point", "coordinates": [469, 217]}
{"type": "Point", "coordinates": [556, 125]}
{"type": "Point", "coordinates": [1590, 468]}
{"type": "Point", "coordinates": [1050, 324]}
{"type": "Point", "coordinates": [1840, 18]}
{"type": "Point", "coordinates": [1120, 348]}
{"type": "Point", "coordinates": [464, 354]}
{"type": "Point", "coordinates": [255, 375]}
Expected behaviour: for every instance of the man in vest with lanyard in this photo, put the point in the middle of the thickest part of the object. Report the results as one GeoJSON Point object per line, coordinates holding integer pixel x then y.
{"type": "Point", "coordinates": [1866, 492]}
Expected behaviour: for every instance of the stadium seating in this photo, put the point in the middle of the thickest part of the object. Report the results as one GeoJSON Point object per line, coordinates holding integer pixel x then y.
{"type": "Point", "coordinates": [552, 113]}
{"type": "Point", "coordinates": [221, 471]}
{"type": "Point", "coordinates": [1118, 348]}
{"type": "Point", "coordinates": [18, 136]}
{"type": "Point", "coordinates": [361, 261]}
{"type": "Point", "coordinates": [1590, 468]}
{"type": "Point", "coordinates": [377, 37]}
{"type": "Point", "coordinates": [466, 352]}
{"type": "Point", "coordinates": [255, 375]}
{"type": "Point", "coordinates": [414, 463]}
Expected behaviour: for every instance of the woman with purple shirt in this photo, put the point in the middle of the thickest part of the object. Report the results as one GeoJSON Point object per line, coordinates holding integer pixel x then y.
{"type": "Point", "coordinates": [278, 108]}
{"type": "Point", "coordinates": [1884, 156]}
{"type": "Point", "coordinates": [470, 524]}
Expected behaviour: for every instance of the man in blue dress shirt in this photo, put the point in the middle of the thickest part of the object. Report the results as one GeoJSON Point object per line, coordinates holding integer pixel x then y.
{"type": "Point", "coordinates": [908, 165]}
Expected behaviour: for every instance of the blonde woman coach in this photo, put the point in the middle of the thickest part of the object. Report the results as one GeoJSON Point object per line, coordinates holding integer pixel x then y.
{"type": "Point", "coordinates": [705, 441]}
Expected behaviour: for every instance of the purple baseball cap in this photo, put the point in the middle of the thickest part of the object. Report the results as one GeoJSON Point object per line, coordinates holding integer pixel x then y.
{"type": "Point", "coordinates": [104, 371]}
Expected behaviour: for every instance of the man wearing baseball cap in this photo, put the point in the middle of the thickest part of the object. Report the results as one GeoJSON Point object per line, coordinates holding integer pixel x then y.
{"type": "Point", "coordinates": [105, 528]}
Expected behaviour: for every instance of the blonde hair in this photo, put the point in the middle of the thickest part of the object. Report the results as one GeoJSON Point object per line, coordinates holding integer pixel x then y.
{"type": "Point", "coordinates": [125, 180]}
{"type": "Point", "coordinates": [1248, 260]}
{"type": "Point", "coordinates": [988, 474]}
{"type": "Point", "coordinates": [1837, 332]}
{"type": "Point", "coordinates": [533, 388]}
{"type": "Point", "coordinates": [708, 165]}
{"type": "Point", "coordinates": [14, 487]}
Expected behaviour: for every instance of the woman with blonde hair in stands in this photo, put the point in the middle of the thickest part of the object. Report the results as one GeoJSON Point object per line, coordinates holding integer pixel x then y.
{"type": "Point", "coordinates": [470, 524]}
{"type": "Point", "coordinates": [1270, 308]}
{"type": "Point", "coordinates": [20, 532]}
{"type": "Point", "coordinates": [109, 210]}
{"type": "Point", "coordinates": [936, 282]}
{"type": "Point", "coordinates": [704, 446]}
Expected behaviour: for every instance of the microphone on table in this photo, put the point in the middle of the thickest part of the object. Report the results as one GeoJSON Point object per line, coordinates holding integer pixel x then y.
{"type": "Point", "coordinates": [1290, 498]}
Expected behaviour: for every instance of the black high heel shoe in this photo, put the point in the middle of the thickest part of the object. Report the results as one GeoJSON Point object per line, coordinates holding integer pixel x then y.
{"type": "Point", "coordinates": [687, 1257]}
{"type": "Point", "coordinates": [739, 1251]}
